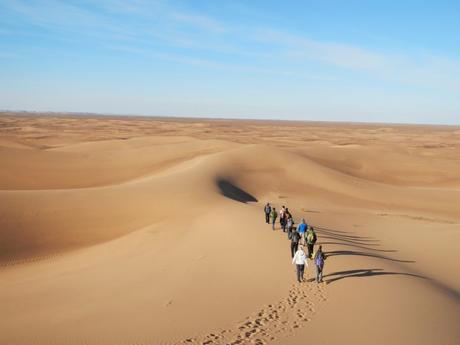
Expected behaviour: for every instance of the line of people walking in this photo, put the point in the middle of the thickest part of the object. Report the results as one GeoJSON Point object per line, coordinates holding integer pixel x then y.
{"type": "Point", "coordinates": [300, 236]}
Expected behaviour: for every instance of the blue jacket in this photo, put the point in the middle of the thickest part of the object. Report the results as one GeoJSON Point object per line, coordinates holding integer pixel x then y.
{"type": "Point", "coordinates": [302, 228]}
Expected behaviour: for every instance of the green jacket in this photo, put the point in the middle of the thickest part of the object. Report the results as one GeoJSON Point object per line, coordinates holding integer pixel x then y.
{"type": "Point", "coordinates": [311, 237]}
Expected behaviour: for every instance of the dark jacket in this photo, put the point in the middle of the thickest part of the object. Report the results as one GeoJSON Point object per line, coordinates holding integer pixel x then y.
{"type": "Point", "coordinates": [295, 237]}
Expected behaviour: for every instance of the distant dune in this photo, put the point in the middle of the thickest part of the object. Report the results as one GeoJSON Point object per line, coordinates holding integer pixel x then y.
{"type": "Point", "coordinates": [118, 230]}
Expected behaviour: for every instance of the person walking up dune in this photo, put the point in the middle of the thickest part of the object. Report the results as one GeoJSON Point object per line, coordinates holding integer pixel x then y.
{"type": "Point", "coordinates": [311, 240]}
{"type": "Point", "coordinates": [273, 216]}
{"type": "Point", "coordinates": [300, 260]}
{"type": "Point", "coordinates": [283, 218]}
{"type": "Point", "coordinates": [267, 211]}
{"type": "Point", "coordinates": [295, 238]}
{"type": "Point", "coordinates": [290, 225]}
{"type": "Point", "coordinates": [319, 258]}
{"type": "Point", "coordinates": [302, 229]}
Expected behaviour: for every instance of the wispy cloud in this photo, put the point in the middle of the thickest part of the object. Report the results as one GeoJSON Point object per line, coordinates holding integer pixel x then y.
{"type": "Point", "coordinates": [209, 63]}
{"type": "Point", "coordinates": [157, 28]}
{"type": "Point", "coordinates": [199, 21]}
{"type": "Point", "coordinates": [422, 70]}
{"type": "Point", "coordinates": [339, 54]}
{"type": "Point", "coordinates": [64, 18]}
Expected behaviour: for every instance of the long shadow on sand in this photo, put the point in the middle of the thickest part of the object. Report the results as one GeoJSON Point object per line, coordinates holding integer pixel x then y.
{"type": "Point", "coordinates": [365, 272]}
{"type": "Point", "coordinates": [361, 242]}
{"type": "Point", "coordinates": [344, 238]}
{"type": "Point", "coordinates": [364, 246]}
{"type": "Point", "coordinates": [371, 255]}
{"type": "Point", "coordinates": [229, 190]}
{"type": "Point", "coordinates": [358, 246]}
{"type": "Point", "coordinates": [358, 242]}
{"type": "Point", "coordinates": [341, 235]}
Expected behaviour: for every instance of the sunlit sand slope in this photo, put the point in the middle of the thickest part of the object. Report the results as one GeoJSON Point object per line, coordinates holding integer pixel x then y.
{"type": "Point", "coordinates": [143, 231]}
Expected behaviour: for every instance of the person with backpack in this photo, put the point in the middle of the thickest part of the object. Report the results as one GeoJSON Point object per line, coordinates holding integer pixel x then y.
{"type": "Point", "coordinates": [319, 258]}
{"type": "Point", "coordinates": [311, 240]}
{"type": "Point", "coordinates": [267, 211]}
{"type": "Point", "coordinates": [302, 229]}
{"type": "Point", "coordinates": [290, 225]}
{"type": "Point", "coordinates": [295, 238]}
{"type": "Point", "coordinates": [273, 216]}
{"type": "Point", "coordinates": [283, 218]}
{"type": "Point", "coordinates": [300, 260]}
{"type": "Point", "coordinates": [287, 215]}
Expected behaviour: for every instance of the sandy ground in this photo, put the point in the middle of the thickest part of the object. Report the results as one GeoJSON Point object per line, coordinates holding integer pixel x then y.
{"type": "Point", "coordinates": [151, 231]}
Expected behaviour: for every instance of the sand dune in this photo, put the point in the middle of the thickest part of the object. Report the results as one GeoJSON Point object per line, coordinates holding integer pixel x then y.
{"type": "Point", "coordinates": [109, 162]}
{"type": "Point", "coordinates": [150, 231]}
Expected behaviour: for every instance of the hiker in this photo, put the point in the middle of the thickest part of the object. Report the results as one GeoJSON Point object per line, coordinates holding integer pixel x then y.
{"type": "Point", "coordinates": [311, 240]}
{"type": "Point", "coordinates": [288, 214]}
{"type": "Point", "coordinates": [289, 224]}
{"type": "Point", "coordinates": [283, 218]}
{"type": "Point", "coordinates": [273, 216]}
{"type": "Point", "coordinates": [267, 210]}
{"type": "Point", "coordinates": [300, 260]}
{"type": "Point", "coordinates": [295, 238]}
{"type": "Point", "coordinates": [319, 258]}
{"type": "Point", "coordinates": [302, 229]}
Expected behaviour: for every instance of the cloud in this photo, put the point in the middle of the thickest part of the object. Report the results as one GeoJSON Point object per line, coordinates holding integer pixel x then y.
{"type": "Point", "coordinates": [198, 21]}
{"type": "Point", "coordinates": [159, 29]}
{"type": "Point", "coordinates": [338, 54]}
{"type": "Point", "coordinates": [409, 69]}
{"type": "Point", "coordinates": [63, 18]}
{"type": "Point", "coordinates": [207, 63]}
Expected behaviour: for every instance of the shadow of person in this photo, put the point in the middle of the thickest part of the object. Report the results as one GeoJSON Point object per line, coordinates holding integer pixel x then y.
{"type": "Point", "coordinates": [365, 272]}
{"type": "Point", "coordinates": [371, 255]}
{"type": "Point", "coordinates": [358, 246]}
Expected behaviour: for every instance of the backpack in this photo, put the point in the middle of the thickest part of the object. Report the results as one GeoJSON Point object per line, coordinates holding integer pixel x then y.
{"type": "Point", "coordinates": [295, 237]}
{"type": "Point", "coordinates": [319, 261]}
{"type": "Point", "coordinates": [311, 237]}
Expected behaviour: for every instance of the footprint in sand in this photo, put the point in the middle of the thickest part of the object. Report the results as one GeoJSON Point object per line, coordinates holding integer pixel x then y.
{"type": "Point", "coordinates": [274, 320]}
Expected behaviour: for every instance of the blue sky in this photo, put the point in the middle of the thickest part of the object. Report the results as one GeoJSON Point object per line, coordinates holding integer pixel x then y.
{"type": "Point", "coordinates": [377, 61]}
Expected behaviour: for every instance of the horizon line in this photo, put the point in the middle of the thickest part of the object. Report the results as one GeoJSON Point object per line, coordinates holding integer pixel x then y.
{"type": "Point", "coordinates": [206, 118]}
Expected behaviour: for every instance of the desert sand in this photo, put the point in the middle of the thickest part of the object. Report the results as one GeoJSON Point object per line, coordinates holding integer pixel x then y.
{"type": "Point", "coordinates": [131, 230]}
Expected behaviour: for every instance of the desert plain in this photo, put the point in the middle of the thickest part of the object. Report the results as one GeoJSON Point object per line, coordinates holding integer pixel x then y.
{"type": "Point", "coordinates": [137, 230]}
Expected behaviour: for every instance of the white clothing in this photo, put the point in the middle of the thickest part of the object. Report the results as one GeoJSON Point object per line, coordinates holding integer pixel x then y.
{"type": "Point", "coordinates": [300, 258]}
